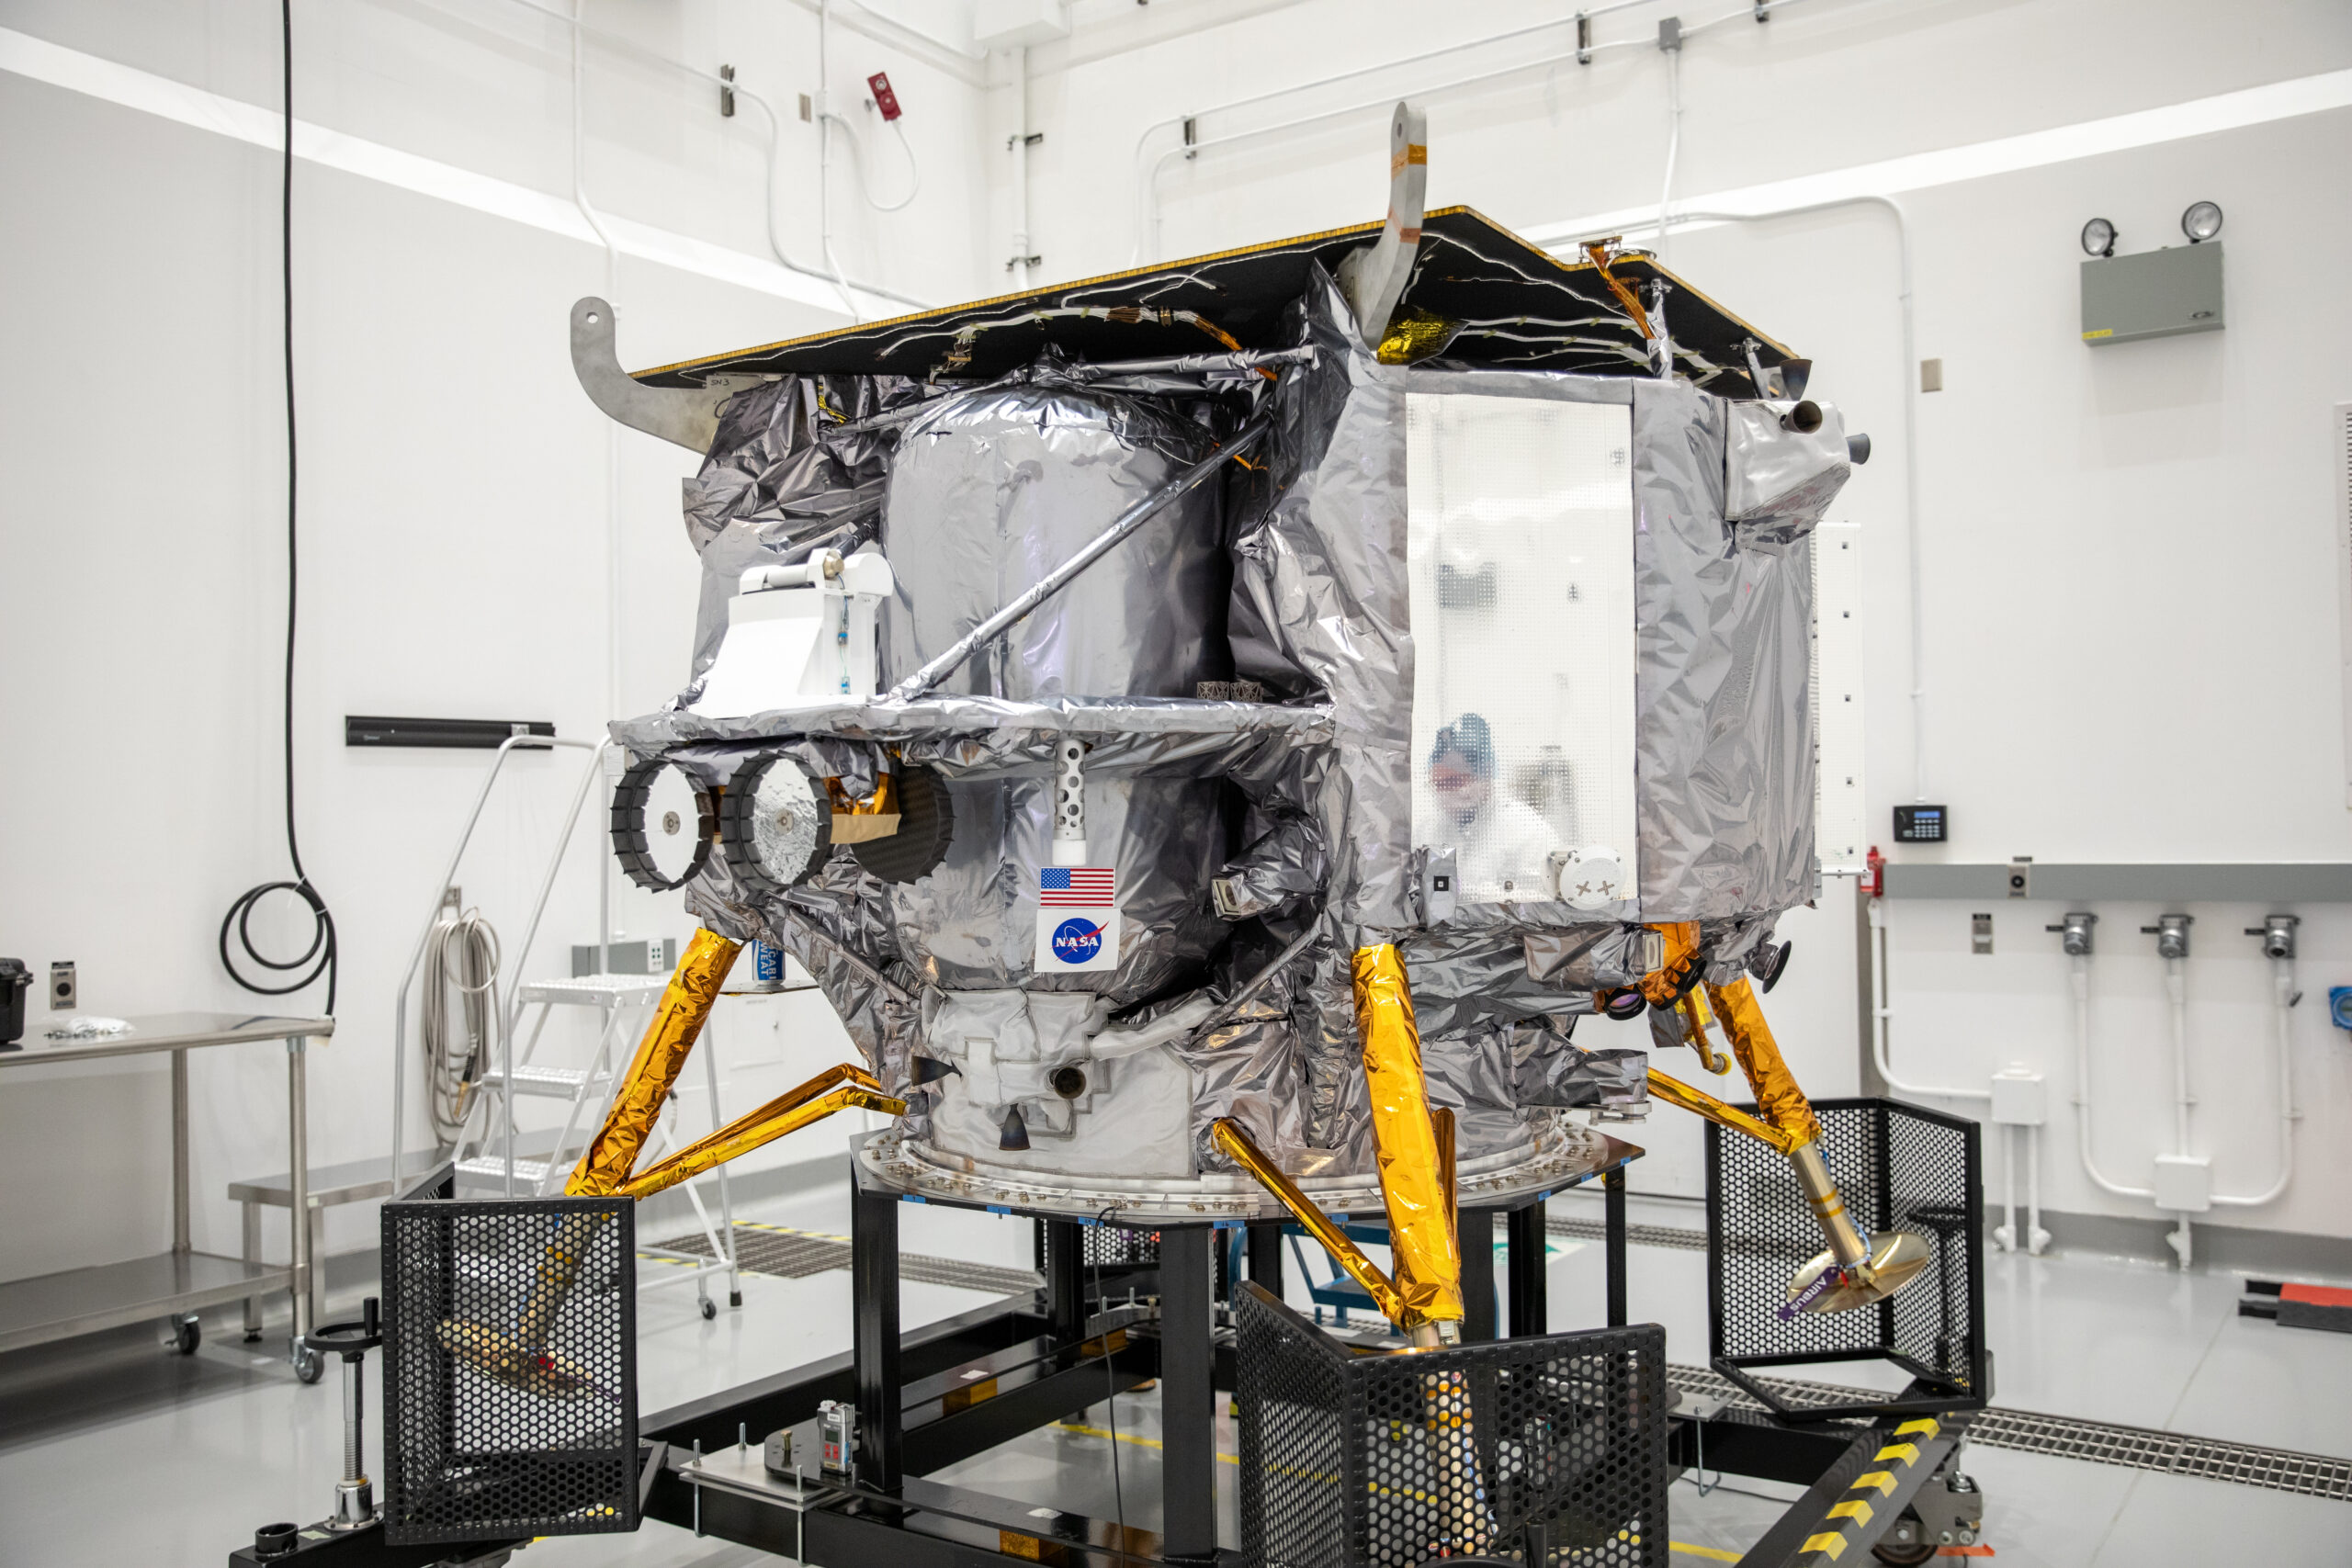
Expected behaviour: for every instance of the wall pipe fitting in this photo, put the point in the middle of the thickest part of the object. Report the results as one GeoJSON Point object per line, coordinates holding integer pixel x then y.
{"type": "Point", "coordinates": [2278, 934]}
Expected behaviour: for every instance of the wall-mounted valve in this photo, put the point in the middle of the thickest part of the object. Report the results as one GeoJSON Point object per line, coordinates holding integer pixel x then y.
{"type": "Point", "coordinates": [2278, 934]}
{"type": "Point", "coordinates": [2171, 932]}
{"type": "Point", "coordinates": [2074, 932]}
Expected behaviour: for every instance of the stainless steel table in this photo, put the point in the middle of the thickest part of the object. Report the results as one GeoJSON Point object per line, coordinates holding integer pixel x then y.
{"type": "Point", "coordinates": [183, 1280]}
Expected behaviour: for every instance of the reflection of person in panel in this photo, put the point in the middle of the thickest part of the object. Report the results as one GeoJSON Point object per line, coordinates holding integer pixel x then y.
{"type": "Point", "coordinates": [1501, 846]}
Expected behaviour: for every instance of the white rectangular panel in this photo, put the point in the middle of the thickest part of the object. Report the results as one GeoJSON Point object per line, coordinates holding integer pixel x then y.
{"type": "Point", "coordinates": [1840, 824]}
{"type": "Point", "coordinates": [1520, 543]}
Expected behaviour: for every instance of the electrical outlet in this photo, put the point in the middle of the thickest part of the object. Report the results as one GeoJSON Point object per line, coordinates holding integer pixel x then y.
{"type": "Point", "coordinates": [1980, 933]}
{"type": "Point", "coordinates": [62, 990]}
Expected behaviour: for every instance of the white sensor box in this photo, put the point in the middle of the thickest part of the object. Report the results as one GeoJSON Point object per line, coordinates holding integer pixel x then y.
{"type": "Point", "coordinates": [2184, 1183]}
{"type": "Point", "coordinates": [2018, 1099]}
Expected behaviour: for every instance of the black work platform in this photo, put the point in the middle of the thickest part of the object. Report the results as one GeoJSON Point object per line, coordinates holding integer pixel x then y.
{"type": "Point", "coordinates": [946, 1392]}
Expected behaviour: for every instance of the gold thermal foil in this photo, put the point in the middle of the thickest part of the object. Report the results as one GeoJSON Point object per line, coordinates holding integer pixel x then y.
{"type": "Point", "coordinates": [1674, 1091]}
{"type": "Point", "coordinates": [1783, 1103]}
{"type": "Point", "coordinates": [1415, 334]}
{"type": "Point", "coordinates": [1681, 950]}
{"type": "Point", "coordinates": [1235, 1144]}
{"type": "Point", "coordinates": [661, 1055]}
{"type": "Point", "coordinates": [835, 1088]}
{"type": "Point", "coordinates": [1429, 1259]}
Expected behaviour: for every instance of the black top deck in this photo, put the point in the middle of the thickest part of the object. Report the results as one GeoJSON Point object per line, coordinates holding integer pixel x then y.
{"type": "Point", "coordinates": [1520, 308]}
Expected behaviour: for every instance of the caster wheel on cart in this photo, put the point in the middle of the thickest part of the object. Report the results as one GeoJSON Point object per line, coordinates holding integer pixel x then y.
{"type": "Point", "coordinates": [309, 1364]}
{"type": "Point", "coordinates": [710, 1309]}
{"type": "Point", "coordinates": [1903, 1555]}
{"type": "Point", "coordinates": [188, 1332]}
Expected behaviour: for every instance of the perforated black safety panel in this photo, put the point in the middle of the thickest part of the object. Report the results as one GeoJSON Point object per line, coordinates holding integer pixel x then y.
{"type": "Point", "coordinates": [510, 1368]}
{"type": "Point", "coordinates": [1549, 1451]}
{"type": "Point", "coordinates": [1110, 1247]}
{"type": "Point", "coordinates": [1899, 1167]}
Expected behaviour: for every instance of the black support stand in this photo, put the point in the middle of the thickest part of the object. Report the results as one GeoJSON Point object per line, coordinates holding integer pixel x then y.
{"type": "Point", "coordinates": [1266, 1255]}
{"type": "Point", "coordinates": [875, 1349]}
{"type": "Point", "coordinates": [1613, 1206]}
{"type": "Point", "coordinates": [1530, 1307]}
{"type": "Point", "coordinates": [1477, 1232]}
{"type": "Point", "coordinates": [1188, 1395]}
{"type": "Point", "coordinates": [1065, 1278]}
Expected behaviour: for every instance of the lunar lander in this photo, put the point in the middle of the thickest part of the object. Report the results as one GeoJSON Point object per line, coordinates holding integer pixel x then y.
{"type": "Point", "coordinates": [1212, 733]}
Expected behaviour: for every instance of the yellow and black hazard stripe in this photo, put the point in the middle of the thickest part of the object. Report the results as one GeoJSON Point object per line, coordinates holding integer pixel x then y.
{"type": "Point", "coordinates": [1856, 1509]}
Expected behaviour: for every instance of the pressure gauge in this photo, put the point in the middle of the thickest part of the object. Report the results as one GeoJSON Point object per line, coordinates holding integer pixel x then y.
{"type": "Point", "coordinates": [776, 825]}
{"type": "Point", "coordinates": [662, 825]}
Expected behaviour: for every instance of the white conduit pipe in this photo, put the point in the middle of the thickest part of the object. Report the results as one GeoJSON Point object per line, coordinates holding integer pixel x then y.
{"type": "Point", "coordinates": [2282, 998]}
{"type": "Point", "coordinates": [2080, 979]}
{"type": "Point", "coordinates": [825, 164]}
{"type": "Point", "coordinates": [1881, 1012]}
{"type": "Point", "coordinates": [1020, 149]}
{"type": "Point", "coordinates": [2176, 1005]}
{"type": "Point", "coordinates": [1148, 226]}
{"type": "Point", "coordinates": [776, 135]}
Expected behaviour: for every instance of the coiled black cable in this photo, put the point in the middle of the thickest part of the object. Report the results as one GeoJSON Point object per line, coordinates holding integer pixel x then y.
{"type": "Point", "coordinates": [320, 959]}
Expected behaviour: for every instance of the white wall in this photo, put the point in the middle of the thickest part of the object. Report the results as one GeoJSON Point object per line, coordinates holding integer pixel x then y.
{"type": "Point", "coordinates": [2130, 624]}
{"type": "Point", "coordinates": [2129, 621]}
{"type": "Point", "coordinates": [455, 525]}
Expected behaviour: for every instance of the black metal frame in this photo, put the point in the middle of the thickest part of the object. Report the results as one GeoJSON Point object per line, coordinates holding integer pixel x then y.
{"type": "Point", "coordinates": [1933, 1392]}
{"type": "Point", "coordinates": [1050, 1354]}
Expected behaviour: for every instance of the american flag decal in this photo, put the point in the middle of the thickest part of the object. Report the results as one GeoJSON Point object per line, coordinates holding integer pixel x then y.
{"type": "Point", "coordinates": [1077, 887]}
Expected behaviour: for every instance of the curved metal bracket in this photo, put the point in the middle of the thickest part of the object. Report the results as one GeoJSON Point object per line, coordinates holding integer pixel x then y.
{"type": "Point", "coordinates": [686, 415]}
{"type": "Point", "coordinates": [1373, 277]}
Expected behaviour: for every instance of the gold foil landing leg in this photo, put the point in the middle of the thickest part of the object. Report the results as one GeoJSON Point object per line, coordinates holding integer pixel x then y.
{"type": "Point", "coordinates": [1854, 1271]}
{"type": "Point", "coordinates": [661, 1055]}
{"type": "Point", "coordinates": [1236, 1146]}
{"type": "Point", "coordinates": [1777, 1094]}
{"type": "Point", "coordinates": [835, 1088]}
{"type": "Point", "coordinates": [1420, 1233]}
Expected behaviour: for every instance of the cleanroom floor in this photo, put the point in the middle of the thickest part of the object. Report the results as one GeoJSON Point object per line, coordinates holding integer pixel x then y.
{"type": "Point", "coordinates": [113, 1452]}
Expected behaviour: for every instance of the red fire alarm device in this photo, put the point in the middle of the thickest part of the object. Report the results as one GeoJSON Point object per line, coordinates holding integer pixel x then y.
{"type": "Point", "coordinates": [884, 99]}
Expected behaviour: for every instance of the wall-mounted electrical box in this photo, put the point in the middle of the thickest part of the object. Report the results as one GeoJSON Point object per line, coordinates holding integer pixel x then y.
{"type": "Point", "coordinates": [1921, 824]}
{"type": "Point", "coordinates": [2152, 294]}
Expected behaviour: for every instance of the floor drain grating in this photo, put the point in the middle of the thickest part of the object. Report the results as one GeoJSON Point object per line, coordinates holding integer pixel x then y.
{"type": "Point", "coordinates": [2068, 1437]}
{"type": "Point", "coordinates": [789, 1253]}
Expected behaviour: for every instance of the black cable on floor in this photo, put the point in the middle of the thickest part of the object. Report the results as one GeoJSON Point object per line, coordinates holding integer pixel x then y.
{"type": "Point", "coordinates": [1111, 1403]}
{"type": "Point", "coordinates": [320, 959]}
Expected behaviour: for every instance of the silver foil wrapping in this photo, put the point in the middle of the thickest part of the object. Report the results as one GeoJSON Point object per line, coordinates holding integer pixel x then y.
{"type": "Point", "coordinates": [1292, 574]}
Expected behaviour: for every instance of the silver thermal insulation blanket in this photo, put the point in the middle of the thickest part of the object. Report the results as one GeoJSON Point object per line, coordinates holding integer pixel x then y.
{"type": "Point", "coordinates": [1306, 824]}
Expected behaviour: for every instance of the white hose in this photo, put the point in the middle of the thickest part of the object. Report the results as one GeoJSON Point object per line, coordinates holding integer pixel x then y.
{"type": "Point", "coordinates": [460, 954]}
{"type": "Point", "coordinates": [2081, 980]}
{"type": "Point", "coordinates": [2282, 998]}
{"type": "Point", "coordinates": [1881, 1012]}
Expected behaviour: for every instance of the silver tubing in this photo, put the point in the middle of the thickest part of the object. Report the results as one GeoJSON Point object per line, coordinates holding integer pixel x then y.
{"type": "Point", "coordinates": [416, 957]}
{"type": "Point", "coordinates": [1053, 581]}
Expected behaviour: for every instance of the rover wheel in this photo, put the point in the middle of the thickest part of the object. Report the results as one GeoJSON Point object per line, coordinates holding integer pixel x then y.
{"type": "Point", "coordinates": [776, 823]}
{"type": "Point", "coordinates": [926, 824]}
